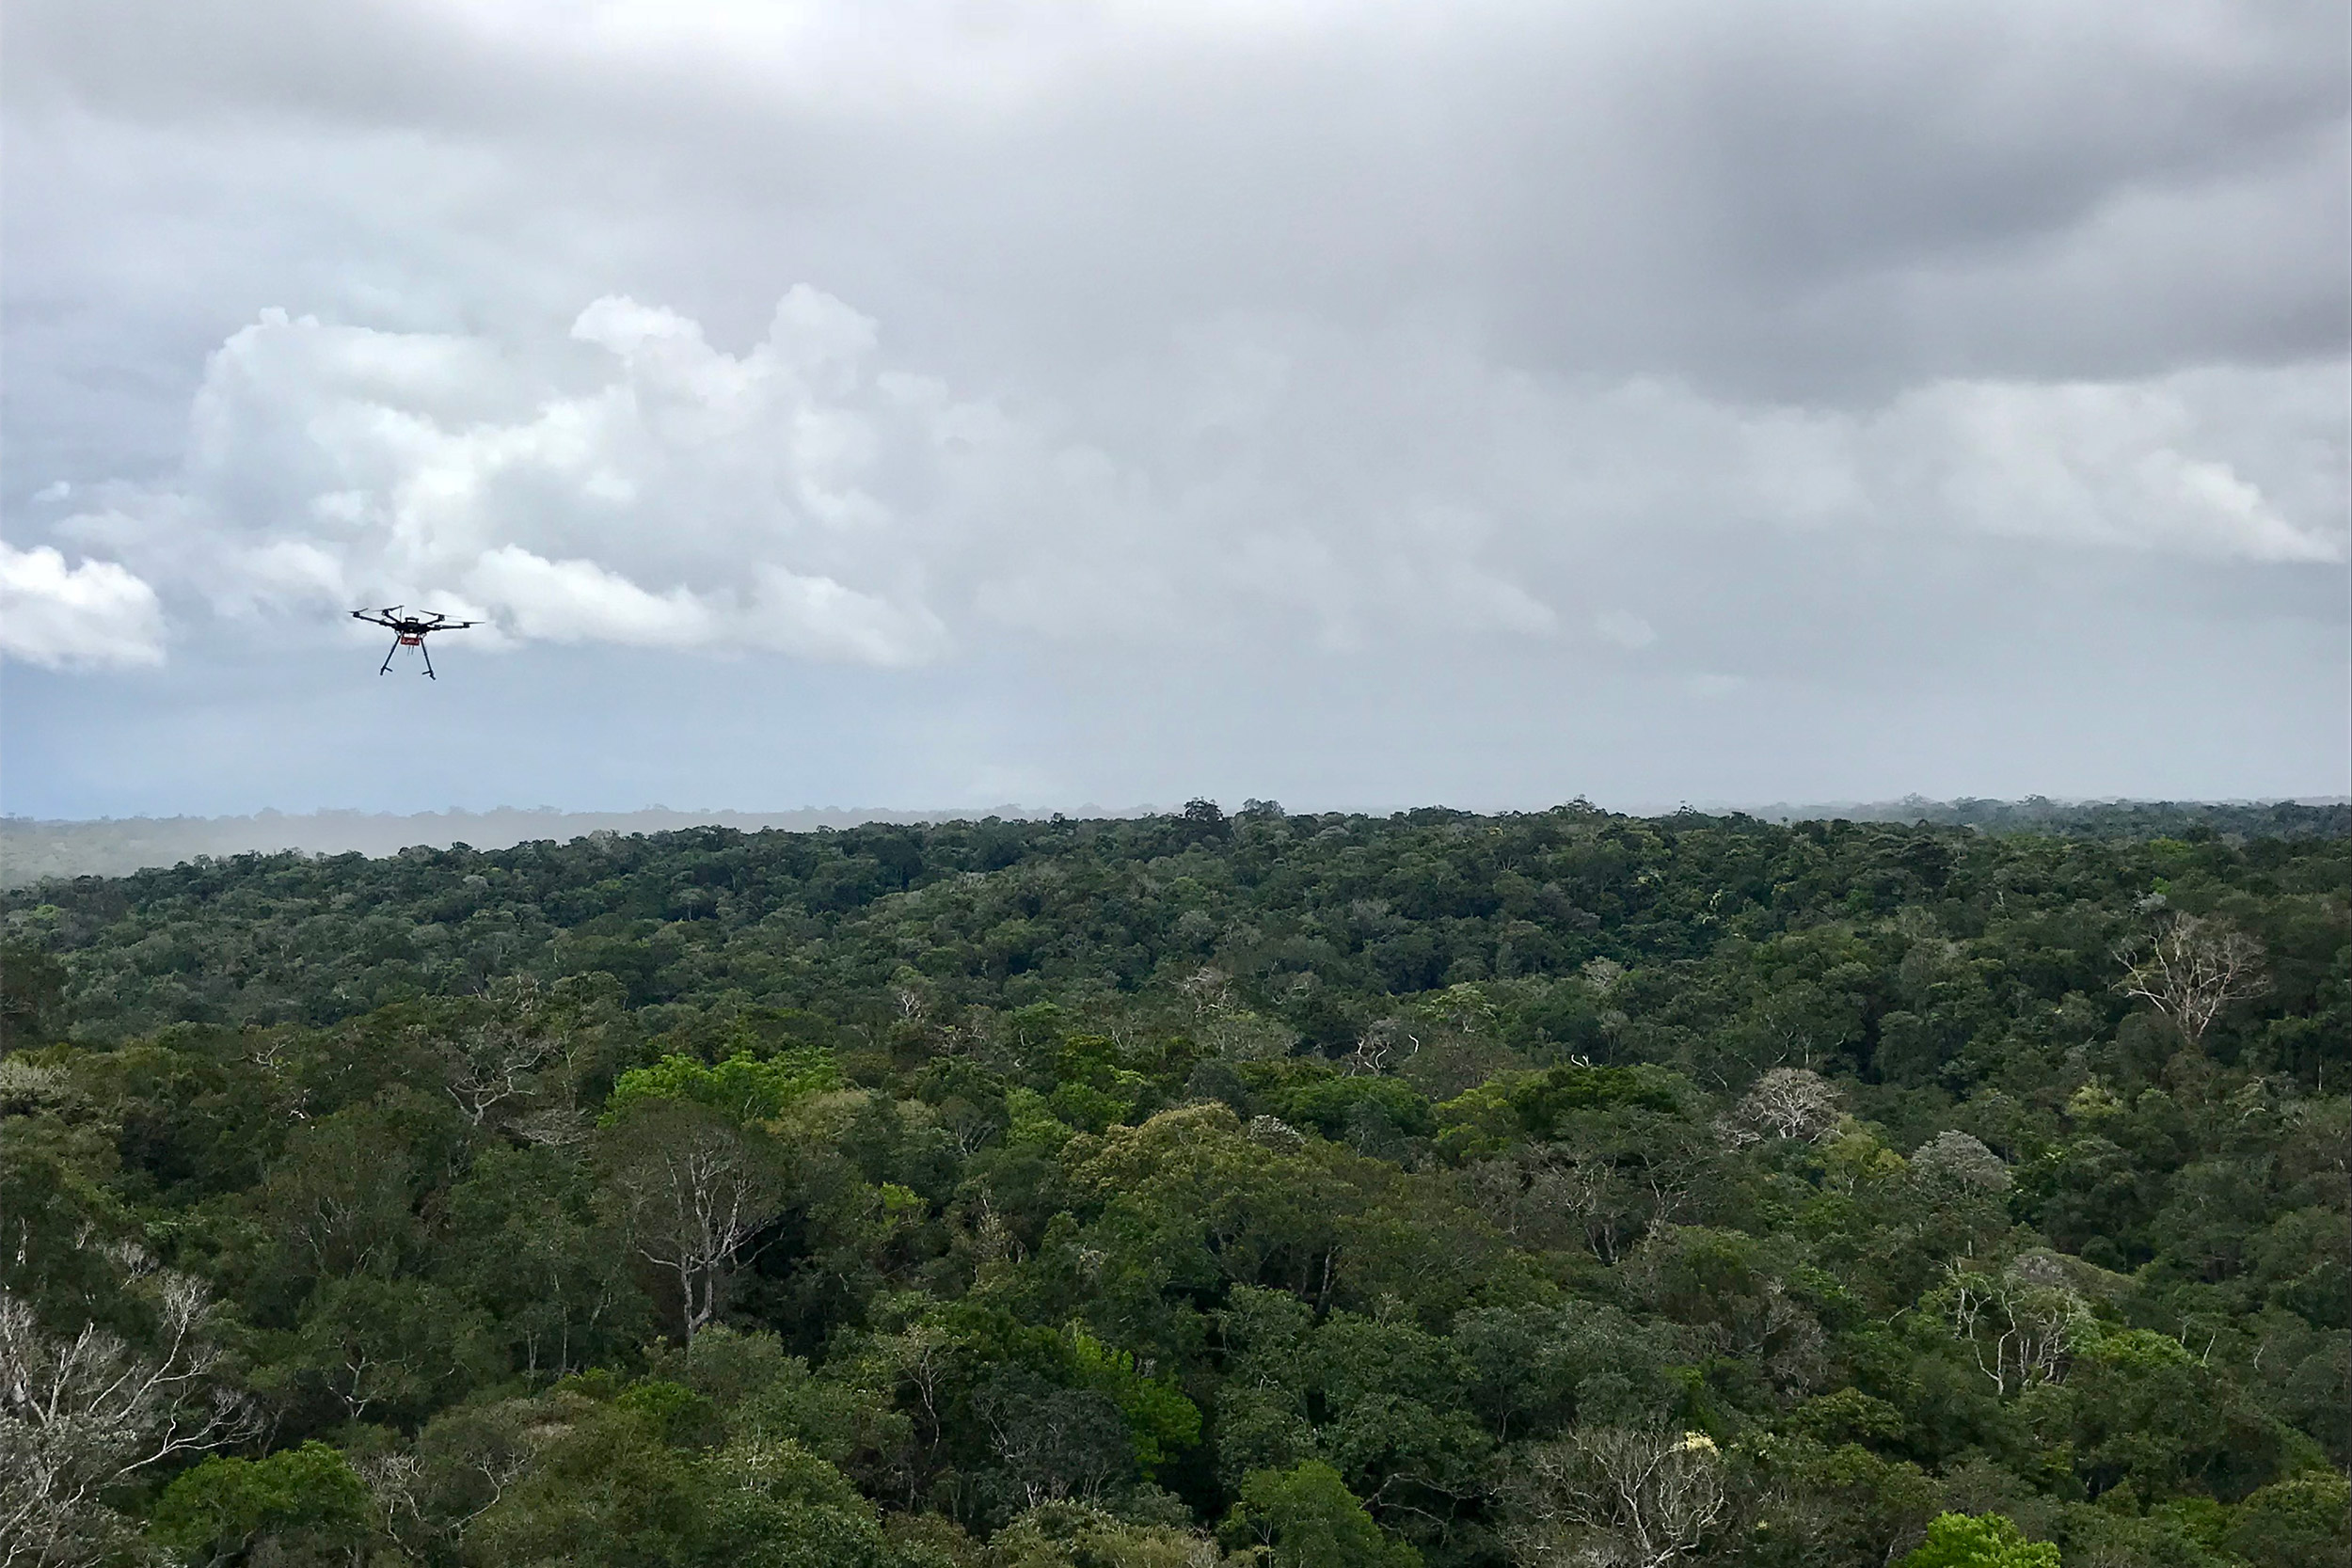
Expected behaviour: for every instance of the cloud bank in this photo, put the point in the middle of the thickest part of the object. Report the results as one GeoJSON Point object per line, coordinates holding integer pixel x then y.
{"type": "Point", "coordinates": [92, 614]}
{"type": "Point", "coordinates": [632, 483]}
{"type": "Point", "coordinates": [980, 359]}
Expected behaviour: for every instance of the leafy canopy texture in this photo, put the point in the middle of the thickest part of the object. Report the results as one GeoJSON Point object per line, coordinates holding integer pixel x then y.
{"type": "Point", "coordinates": [1550, 1190]}
{"type": "Point", "coordinates": [1309, 1519]}
{"type": "Point", "coordinates": [1969, 1541]}
{"type": "Point", "coordinates": [308, 1494]}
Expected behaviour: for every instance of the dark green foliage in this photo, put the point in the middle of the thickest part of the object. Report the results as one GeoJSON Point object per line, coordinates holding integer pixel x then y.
{"type": "Point", "coordinates": [305, 1501]}
{"type": "Point", "coordinates": [1303, 1189]}
{"type": "Point", "coordinates": [2303, 1522]}
{"type": "Point", "coordinates": [32, 994]}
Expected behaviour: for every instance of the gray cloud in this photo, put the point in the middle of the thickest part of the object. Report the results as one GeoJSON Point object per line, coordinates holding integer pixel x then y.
{"type": "Point", "coordinates": [1688, 355]}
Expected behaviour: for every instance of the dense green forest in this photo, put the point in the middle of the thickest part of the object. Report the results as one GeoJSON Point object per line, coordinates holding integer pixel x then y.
{"type": "Point", "coordinates": [34, 851]}
{"type": "Point", "coordinates": [1547, 1189]}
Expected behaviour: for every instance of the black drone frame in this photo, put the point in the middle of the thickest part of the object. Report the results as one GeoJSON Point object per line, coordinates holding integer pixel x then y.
{"type": "Point", "coordinates": [410, 631]}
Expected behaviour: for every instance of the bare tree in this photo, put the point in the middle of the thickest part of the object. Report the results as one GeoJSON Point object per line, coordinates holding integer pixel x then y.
{"type": "Point", "coordinates": [1385, 1047]}
{"type": "Point", "coordinates": [1616, 1498]}
{"type": "Point", "coordinates": [1463, 1008]}
{"type": "Point", "coordinates": [693, 1189]}
{"type": "Point", "coordinates": [426, 1497]}
{"type": "Point", "coordinates": [919, 1357]}
{"type": "Point", "coordinates": [2193, 967]}
{"type": "Point", "coordinates": [273, 1054]}
{"type": "Point", "coordinates": [2022, 1323]}
{"type": "Point", "coordinates": [499, 1060]}
{"type": "Point", "coordinates": [80, 1416]}
{"type": "Point", "coordinates": [1555, 1193]}
{"type": "Point", "coordinates": [1786, 1102]}
{"type": "Point", "coordinates": [558, 1126]}
{"type": "Point", "coordinates": [1209, 988]}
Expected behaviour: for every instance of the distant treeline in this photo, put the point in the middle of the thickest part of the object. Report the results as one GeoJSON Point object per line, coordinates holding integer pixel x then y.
{"type": "Point", "coordinates": [2234, 820]}
{"type": "Point", "coordinates": [32, 849]}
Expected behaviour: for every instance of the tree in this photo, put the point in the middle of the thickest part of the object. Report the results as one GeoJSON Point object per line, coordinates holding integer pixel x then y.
{"type": "Point", "coordinates": [2298, 1523]}
{"type": "Point", "coordinates": [499, 1058]}
{"type": "Point", "coordinates": [1056, 1443]}
{"type": "Point", "coordinates": [462, 1462]}
{"type": "Point", "coordinates": [342, 1198]}
{"type": "Point", "coordinates": [1959, 1159]}
{"type": "Point", "coordinates": [1078, 1535]}
{"type": "Point", "coordinates": [32, 994]}
{"type": "Point", "coordinates": [1309, 1519]}
{"type": "Point", "coordinates": [525, 1245]}
{"type": "Point", "coordinates": [1636, 1497]}
{"type": "Point", "coordinates": [744, 1086]}
{"type": "Point", "coordinates": [79, 1416]}
{"type": "Point", "coordinates": [692, 1190]}
{"type": "Point", "coordinates": [2191, 969]}
{"type": "Point", "coordinates": [2021, 1325]}
{"type": "Point", "coordinates": [603, 1489]}
{"type": "Point", "coordinates": [1159, 1417]}
{"type": "Point", "coordinates": [1979, 1541]}
{"type": "Point", "coordinates": [773, 1504]}
{"type": "Point", "coordinates": [220, 1510]}
{"type": "Point", "coordinates": [384, 1349]}
{"type": "Point", "coordinates": [1787, 1103]}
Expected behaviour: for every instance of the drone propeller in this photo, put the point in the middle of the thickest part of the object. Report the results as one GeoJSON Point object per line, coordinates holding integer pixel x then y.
{"type": "Point", "coordinates": [410, 631]}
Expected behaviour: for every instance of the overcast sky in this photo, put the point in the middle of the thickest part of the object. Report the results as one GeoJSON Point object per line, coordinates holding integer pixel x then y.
{"type": "Point", "coordinates": [1350, 404]}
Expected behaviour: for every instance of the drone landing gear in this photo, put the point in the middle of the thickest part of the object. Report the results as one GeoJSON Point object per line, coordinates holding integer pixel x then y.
{"type": "Point", "coordinates": [404, 640]}
{"type": "Point", "coordinates": [410, 631]}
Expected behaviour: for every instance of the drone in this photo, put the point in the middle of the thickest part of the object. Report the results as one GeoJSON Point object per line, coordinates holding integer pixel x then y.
{"type": "Point", "coordinates": [410, 631]}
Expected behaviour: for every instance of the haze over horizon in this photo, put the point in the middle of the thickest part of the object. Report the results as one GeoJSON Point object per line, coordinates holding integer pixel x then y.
{"type": "Point", "coordinates": [1336, 405]}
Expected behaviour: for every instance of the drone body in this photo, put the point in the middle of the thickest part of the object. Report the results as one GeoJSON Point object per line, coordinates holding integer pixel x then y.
{"type": "Point", "coordinates": [410, 631]}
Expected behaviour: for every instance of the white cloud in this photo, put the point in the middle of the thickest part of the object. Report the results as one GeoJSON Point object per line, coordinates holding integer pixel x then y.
{"type": "Point", "coordinates": [631, 482]}
{"type": "Point", "coordinates": [818, 618]}
{"type": "Point", "coordinates": [577, 601]}
{"type": "Point", "coordinates": [2168, 464]}
{"type": "Point", "coordinates": [96, 613]}
{"type": "Point", "coordinates": [643, 488]}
